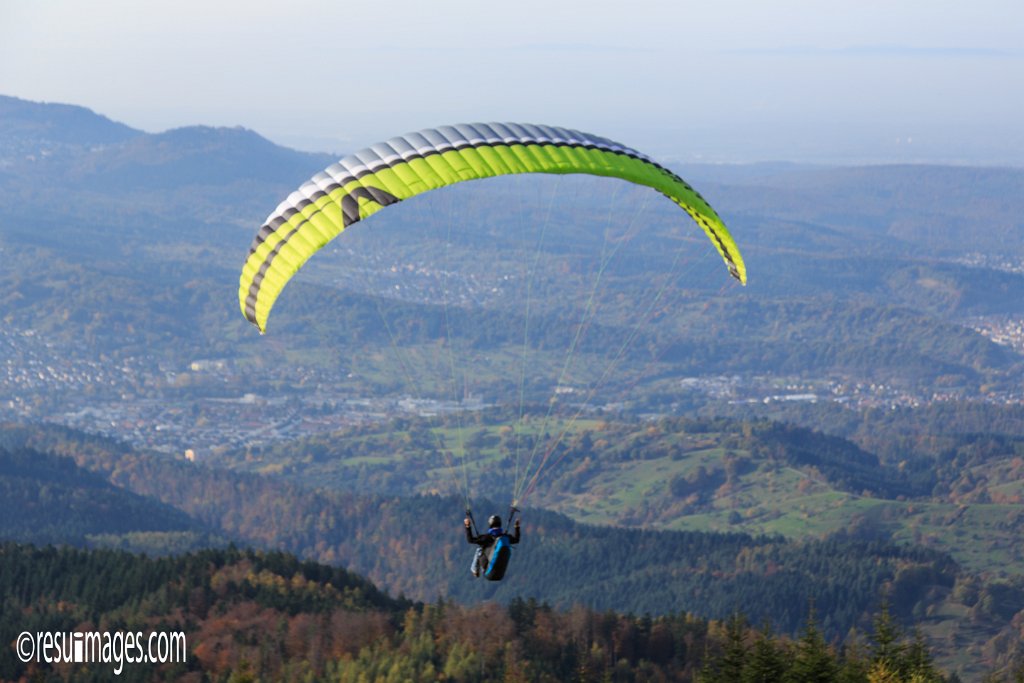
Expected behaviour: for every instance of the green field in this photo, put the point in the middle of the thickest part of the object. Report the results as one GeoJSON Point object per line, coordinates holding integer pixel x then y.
{"type": "Point", "coordinates": [643, 476]}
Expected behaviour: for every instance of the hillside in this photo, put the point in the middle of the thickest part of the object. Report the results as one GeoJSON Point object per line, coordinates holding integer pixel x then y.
{"type": "Point", "coordinates": [720, 475]}
{"type": "Point", "coordinates": [414, 546]}
{"type": "Point", "coordinates": [248, 615]}
{"type": "Point", "coordinates": [429, 551]}
{"type": "Point", "coordinates": [234, 607]}
{"type": "Point", "coordinates": [48, 499]}
{"type": "Point", "coordinates": [76, 181]}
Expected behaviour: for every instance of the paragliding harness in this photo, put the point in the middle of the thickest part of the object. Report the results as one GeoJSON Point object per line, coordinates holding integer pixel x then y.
{"type": "Point", "coordinates": [501, 552]}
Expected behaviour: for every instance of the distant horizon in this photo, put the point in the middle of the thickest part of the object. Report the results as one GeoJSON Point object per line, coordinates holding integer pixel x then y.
{"type": "Point", "coordinates": [733, 82]}
{"type": "Point", "coordinates": [660, 149]}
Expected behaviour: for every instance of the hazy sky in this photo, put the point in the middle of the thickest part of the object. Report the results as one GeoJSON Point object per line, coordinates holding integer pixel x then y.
{"type": "Point", "coordinates": [846, 80]}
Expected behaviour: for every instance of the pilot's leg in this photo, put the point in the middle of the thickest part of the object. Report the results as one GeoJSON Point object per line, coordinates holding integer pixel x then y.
{"type": "Point", "coordinates": [479, 563]}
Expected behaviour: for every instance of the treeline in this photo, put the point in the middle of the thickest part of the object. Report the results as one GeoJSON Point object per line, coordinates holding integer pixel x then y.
{"type": "Point", "coordinates": [240, 610]}
{"type": "Point", "coordinates": [268, 616]}
{"type": "Point", "coordinates": [843, 464]}
{"type": "Point", "coordinates": [918, 465]}
{"type": "Point", "coordinates": [926, 430]}
{"type": "Point", "coordinates": [829, 337]}
{"type": "Point", "coordinates": [943, 450]}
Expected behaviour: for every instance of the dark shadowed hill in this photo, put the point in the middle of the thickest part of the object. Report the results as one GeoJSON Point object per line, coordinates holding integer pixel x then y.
{"type": "Point", "coordinates": [46, 498]}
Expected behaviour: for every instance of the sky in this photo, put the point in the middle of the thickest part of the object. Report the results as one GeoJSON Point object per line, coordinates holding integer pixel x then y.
{"type": "Point", "coordinates": [835, 81]}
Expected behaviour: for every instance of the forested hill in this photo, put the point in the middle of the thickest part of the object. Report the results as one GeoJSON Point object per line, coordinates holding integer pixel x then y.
{"type": "Point", "coordinates": [80, 174]}
{"type": "Point", "coordinates": [266, 616]}
{"type": "Point", "coordinates": [415, 546]}
{"type": "Point", "coordinates": [46, 498]}
{"type": "Point", "coordinates": [648, 472]}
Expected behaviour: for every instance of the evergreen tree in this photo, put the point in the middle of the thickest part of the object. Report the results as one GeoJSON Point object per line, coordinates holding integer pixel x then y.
{"type": "Point", "coordinates": [766, 662]}
{"type": "Point", "coordinates": [918, 661]}
{"type": "Point", "coordinates": [883, 672]}
{"type": "Point", "coordinates": [854, 664]}
{"type": "Point", "coordinates": [813, 662]}
{"type": "Point", "coordinates": [887, 648]}
{"type": "Point", "coordinates": [734, 653]}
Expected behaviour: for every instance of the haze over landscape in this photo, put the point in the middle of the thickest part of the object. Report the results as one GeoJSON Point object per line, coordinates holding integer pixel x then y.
{"type": "Point", "coordinates": [730, 81]}
{"type": "Point", "coordinates": [816, 476]}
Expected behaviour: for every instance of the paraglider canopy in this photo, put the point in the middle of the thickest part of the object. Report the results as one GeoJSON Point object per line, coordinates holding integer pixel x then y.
{"type": "Point", "coordinates": [383, 174]}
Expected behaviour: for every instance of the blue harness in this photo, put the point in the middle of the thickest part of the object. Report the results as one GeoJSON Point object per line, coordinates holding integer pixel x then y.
{"type": "Point", "coordinates": [499, 556]}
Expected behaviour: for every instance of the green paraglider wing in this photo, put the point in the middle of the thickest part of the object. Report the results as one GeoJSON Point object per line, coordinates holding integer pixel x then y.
{"type": "Point", "coordinates": [365, 182]}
